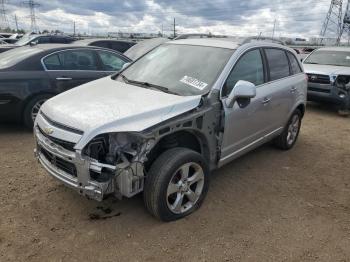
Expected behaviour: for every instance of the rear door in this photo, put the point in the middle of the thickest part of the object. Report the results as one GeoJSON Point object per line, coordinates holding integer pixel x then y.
{"type": "Point", "coordinates": [71, 68]}
{"type": "Point", "coordinates": [281, 86]}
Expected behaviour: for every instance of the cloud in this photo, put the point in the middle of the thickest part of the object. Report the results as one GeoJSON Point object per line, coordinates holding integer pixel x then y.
{"type": "Point", "coordinates": [233, 17]}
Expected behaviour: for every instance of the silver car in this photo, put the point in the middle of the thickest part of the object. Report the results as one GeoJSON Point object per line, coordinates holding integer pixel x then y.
{"type": "Point", "coordinates": [171, 117]}
{"type": "Point", "coordinates": [328, 71]}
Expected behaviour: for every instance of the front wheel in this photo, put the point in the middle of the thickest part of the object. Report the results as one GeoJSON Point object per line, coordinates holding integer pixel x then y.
{"type": "Point", "coordinates": [176, 184]}
{"type": "Point", "coordinates": [288, 138]}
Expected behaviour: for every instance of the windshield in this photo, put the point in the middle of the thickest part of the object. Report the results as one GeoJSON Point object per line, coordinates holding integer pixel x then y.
{"type": "Point", "coordinates": [144, 47]}
{"type": "Point", "coordinates": [182, 69]}
{"type": "Point", "coordinates": [336, 58]}
{"type": "Point", "coordinates": [25, 40]}
{"type": "Point", "coordinates": [14, 56]}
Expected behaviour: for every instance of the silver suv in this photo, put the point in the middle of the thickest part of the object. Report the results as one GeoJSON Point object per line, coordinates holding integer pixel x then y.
{"type": "Point", "coordinates": [166, 121]}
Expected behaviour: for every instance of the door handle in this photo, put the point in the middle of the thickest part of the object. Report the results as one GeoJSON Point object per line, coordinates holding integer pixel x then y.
{"type": "Point", "coordinates": [266, 101]}
{"type": "Point", "coordinates": [64, 78]}
{"type": "Point", "coordinates": [293, 89]}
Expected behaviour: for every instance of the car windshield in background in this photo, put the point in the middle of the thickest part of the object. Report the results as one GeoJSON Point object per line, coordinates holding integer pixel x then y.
{"type": "Point", "coordinates": [181, 69]}
{"type": "Point", "coordinates": [336, 58]}
{"type": "Point", "coordinates": [25, 40]}
{"type": "Point", "coordinates": [12, 57]}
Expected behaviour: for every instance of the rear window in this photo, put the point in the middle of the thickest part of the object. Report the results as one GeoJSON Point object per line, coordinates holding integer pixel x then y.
{"type": "Point", "coordinates": [14, 56]}
{"type": "Point", "coordinates": [278, 63]}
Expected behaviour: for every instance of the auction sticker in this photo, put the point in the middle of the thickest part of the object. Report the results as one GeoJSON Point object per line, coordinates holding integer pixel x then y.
{"type": "Point", "coordinates": [191, 81]}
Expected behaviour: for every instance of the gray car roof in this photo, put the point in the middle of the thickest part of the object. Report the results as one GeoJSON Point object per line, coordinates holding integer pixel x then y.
{"type": "Point", "coordinates": [91, 40]}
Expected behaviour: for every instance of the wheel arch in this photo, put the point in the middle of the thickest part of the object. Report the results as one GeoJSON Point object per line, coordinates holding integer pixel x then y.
{"type": "Point", "coordinates": [187, 138]}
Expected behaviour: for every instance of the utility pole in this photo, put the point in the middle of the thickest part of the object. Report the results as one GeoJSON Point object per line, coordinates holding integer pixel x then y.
{"type": "Point", "coordinates": [274, 29]}
{"type": "Point", "coordinates": [16, 22]}
{"type": "Point", "coordinates": [4, 23]}
{"type": "Point", "coordinates": [74, 28]}
{"type": "Point", "coordinates": [174, 27]}
{"type": "Point", "coordinates": [333, 22]}
{"type": "Point", "coordinates": [32, 5]}
{"type": "Point", "coordinates": [162, 31]}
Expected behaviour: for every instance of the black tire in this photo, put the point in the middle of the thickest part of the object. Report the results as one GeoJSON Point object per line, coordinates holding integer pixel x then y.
{"type": "Point", "coordinates": [159, 177]}
{"type": "Point", "coordinates": [27, 112]}
{"type": "Point", "coordinates": [281, 141]}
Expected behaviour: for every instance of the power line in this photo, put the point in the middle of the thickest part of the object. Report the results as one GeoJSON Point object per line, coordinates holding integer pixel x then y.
{"type": "Point", "coordinates": [4, 23]}
{"type": "Point", "coordinates": [32, 5]}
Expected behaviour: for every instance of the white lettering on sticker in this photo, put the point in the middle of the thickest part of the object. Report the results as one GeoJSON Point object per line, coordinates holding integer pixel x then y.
{"type": "Point", "coordinates": [193, 82]}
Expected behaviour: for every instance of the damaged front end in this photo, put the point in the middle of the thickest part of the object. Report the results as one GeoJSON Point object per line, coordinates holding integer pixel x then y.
{"type": "Point", "coordinates": [109, 164]}
{"type": "Point", "coordinates": [118, 159]}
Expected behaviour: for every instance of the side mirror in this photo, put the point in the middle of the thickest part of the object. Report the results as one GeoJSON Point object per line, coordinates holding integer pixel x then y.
{"type": "Point", "coordinates": [242, 90]}
{"type": "Point", "coordinates": [33, 43]}
{"type": "Point", "coordinates": [125, 65]}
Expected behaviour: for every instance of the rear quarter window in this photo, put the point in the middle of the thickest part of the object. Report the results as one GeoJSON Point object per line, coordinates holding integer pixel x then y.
{"type": "Point", "coordinates": [278, 63]}
{"type": "Point", "coordinates": [294, 64]}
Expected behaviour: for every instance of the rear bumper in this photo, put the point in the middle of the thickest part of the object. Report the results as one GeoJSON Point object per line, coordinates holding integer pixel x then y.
{"type": "Point", "coordinates": [55, 160]}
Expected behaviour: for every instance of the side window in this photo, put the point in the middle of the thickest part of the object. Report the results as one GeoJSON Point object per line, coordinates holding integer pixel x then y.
{"type": "Point", "coordinates": [100, 44]}
{"type": "Point", "coordinates": [44, 40]}
{"type": "Point", "coordinates": [52, 62]}
{"type": "Point", "coordinates": [121, 47]}
{"type": "Point", "coordinates": [110, 61]}
{"type": "Point", "coordinates": [249, 68]}
{"type": "Point", "coordinates": [294, 64]}
{"type": "Point", "coordinates": [278, 63]}
{"type": "Point", "coordinates": [78, 60]}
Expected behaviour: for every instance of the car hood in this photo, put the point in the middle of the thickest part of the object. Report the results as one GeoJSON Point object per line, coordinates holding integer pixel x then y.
{"type": "Point", "coordinates": [107, 105]}
{"type": "Point", "coordinates": [326, 69]}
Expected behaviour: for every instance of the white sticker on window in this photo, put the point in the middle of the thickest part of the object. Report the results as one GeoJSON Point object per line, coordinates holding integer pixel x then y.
{"type": "Point", "coordinates": [348, 57]}
{"type": "Point", "coordinates": [193, 82]}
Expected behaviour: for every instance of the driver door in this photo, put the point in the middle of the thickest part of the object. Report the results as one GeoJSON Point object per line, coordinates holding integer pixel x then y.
{"type": "Point", "coordinates": [245, 127]}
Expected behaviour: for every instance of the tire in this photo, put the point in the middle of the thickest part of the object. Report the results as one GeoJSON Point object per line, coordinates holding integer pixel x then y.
{"type": "Point", "coordinates": [34, 104]}
{"type": "Point", "coordinates": [165, 184]}
{"type": "Point", "coordinates": [288, 138]}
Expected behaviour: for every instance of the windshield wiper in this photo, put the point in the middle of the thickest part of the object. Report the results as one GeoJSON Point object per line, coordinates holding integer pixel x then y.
{"type": "Point", "coordinates": [311, 63]}
{"type": "Point", "coordinates": [148, 85]}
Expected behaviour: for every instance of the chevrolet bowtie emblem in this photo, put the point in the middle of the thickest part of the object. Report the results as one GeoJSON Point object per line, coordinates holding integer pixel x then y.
{"type": "Point", "coordinates": [48, 130]}
{"type": "Point", "coordinates": [313, 77]}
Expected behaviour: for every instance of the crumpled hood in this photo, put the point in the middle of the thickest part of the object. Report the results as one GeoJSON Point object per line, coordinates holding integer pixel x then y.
{"type": "Point", "coordinates": [326, 69]}
{"type": "Point", "coordinates": [106, 105]}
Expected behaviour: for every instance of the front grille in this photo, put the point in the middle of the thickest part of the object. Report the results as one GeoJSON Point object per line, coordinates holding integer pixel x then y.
{"type": "Point", "coordinates": [64, 127]}
{"type": "Point", "coordinates": [319, 79]}
{"type": "Point", "coordinates": [67, 145]}
{"type": "Point", "coordinates": [315, 89]}
{"type": "Point", "coordinates": [60, 163]}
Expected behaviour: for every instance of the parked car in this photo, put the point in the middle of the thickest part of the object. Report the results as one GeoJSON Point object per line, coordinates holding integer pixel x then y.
{"type": "Point", "coordinates": [327, 69]}
{"type": "Point", "coordinates": [31, 75]}
{"type": "Point", "coordinates": [144, 47]}
{"type": "Point", "coordinates": [163, 123]}
{"type": "Point", "coordinates": [114, 44]}
{"type": "Point", "coordinates": [33, 39]}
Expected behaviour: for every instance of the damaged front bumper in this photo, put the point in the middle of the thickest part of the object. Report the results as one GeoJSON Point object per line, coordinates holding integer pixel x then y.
{"type": "Point", "coordinates": [72, 169]}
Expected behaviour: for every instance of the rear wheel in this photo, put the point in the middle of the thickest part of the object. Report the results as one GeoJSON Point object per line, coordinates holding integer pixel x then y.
{"type": "Point", "coordinates": [288, 138]}
{"type": "Point", "coordinates": [32, 109]}
{"type": "Point", "coordinates": [176, 184]}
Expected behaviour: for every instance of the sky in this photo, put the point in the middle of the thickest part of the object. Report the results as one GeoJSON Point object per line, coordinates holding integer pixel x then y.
{"type": "Point", "coordinates": [298, 18]}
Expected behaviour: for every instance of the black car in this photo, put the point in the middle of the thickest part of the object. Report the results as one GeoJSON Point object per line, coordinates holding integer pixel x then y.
{"type": "Point", "coordinates": [114, 44]}
{"type": "Point", "coordinates": [31, 75]}
{"type": "Point", "coordinates": [29, 39]}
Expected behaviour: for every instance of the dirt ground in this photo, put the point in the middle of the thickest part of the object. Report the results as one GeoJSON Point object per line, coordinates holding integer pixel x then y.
{"type": "Point", "coordinates": [266, 206]}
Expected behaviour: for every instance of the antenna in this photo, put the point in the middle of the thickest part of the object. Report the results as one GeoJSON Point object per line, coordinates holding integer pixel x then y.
{"type": "Point", "coordinates": [32, 5]}
{"type": "Point", "coordinates": [4, 23]}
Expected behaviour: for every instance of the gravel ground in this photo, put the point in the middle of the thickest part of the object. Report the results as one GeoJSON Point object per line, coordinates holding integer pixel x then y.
{"type": "Point", "coordinates": [266, 206]}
